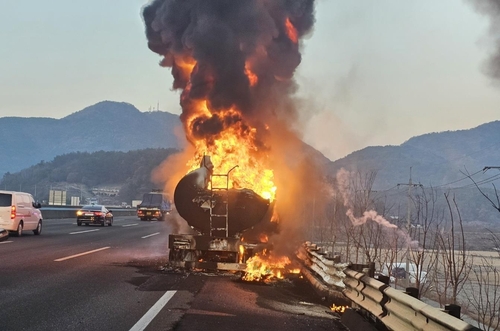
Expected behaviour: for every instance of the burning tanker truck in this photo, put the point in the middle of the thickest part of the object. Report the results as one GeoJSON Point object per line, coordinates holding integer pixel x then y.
{"type": "Point", "coordinates": [233, 63]}
{"type": "Point", "coordinates": [230, 222]}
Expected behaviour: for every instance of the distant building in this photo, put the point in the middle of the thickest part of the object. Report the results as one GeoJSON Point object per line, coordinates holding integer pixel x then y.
{"type": "Point", "coordinates": [106, 191]}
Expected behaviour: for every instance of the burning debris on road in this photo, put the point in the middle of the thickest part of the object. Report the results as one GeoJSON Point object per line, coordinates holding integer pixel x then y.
{"type": "Point", "coordinates": [268, 268]}
{"type": "Point", "coordinates": [338, 309]}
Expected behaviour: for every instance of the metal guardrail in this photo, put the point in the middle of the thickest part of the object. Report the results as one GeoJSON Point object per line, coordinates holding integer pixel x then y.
{"type": "Point", "coordinates": [331, 273]}
{"type": "Point", "coordinates": [325, 275]}
{"type": "Point", "coordinates": [395, 309]}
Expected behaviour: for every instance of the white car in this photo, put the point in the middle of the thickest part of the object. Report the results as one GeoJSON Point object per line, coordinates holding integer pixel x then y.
{"type": "Point", "coordinates": [398, 271]}
{"type": "Point", "coordinates": [19, 212]}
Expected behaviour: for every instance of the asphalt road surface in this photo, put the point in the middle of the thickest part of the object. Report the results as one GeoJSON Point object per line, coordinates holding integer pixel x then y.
{"type": "Point", "coordinates": [113, 278]}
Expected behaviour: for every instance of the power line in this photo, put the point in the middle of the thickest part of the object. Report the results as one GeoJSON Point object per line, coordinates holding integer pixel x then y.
{"type": "Point", "coordinates": [458, 180]}
{"type": "Point", "coordinates": [484, 181]}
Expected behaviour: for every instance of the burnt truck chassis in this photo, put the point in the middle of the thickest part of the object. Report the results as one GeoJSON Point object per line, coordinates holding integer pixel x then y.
{"type": "Point", "coordinates": [210, 253]}
{"type": "Point", "coordinates": [220, 215]}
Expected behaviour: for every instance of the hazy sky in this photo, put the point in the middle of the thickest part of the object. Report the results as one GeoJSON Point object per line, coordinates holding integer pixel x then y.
{"type": "Point", "coordinates": [372, 73]}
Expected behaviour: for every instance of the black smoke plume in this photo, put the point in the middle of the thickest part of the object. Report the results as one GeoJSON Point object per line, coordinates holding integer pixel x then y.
{"type": "Point", "coordinates": [225, 38]}
{"type": "Point", "coordinates": [491, 9]}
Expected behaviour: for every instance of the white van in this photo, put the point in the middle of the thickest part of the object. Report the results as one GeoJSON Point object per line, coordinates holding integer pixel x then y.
{"type": "Point", "coordinates": [18, 212]}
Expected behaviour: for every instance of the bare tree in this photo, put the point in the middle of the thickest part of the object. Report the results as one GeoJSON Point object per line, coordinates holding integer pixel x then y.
{"type": "Point", "coordinates": [454, 255]}
{"type": "Point", "coordinates": [334, 214]}
{"type": "Point", "coordinates": [495, 202]}
{"type": "Point", "coordinates": [428, 219]}
{"type": "Point", "coordinates": [483, 292]}
{"type": "Point", "coordinates": [483, 295]}
{"type": "Point", "coordinates": [394, 251]}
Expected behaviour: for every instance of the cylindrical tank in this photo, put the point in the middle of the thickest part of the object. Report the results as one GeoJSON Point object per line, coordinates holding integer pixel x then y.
{"type": "Point", "coordinates": [245, 208]}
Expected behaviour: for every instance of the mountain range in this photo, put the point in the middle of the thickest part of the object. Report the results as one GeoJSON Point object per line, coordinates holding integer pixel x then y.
{"type": "Point", "coordinates": [439, 160]}
{"type": "Point", "coordinates": [107, 126]}
{"type": "Point", "coordinates": [435, 159]}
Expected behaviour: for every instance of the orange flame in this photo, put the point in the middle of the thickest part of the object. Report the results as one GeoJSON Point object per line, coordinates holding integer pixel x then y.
{"type": "Point", "coordinates": [338, 309]}
{"type": "Point", "coordinates": [185, 65]}
{"type": "Point", "coordinates": [252, 77]}
{"type": "Point", "coordinates": [241, 253]}
{"type": "Point", "coordinates": [263, 238]}
{"type": "Point", "coordinates": [291, 31]}
{"type": "Point", "coordinates": [262, 268]}
{"type": "Point", "coordinates": [234, 147]}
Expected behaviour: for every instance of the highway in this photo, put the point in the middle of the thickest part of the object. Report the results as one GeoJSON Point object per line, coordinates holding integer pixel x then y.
{"type": "Point", "coordinates": [113, 278]}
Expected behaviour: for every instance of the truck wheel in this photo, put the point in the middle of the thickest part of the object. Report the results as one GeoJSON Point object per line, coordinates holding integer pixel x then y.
{"type": "Point", "coordinates": [78, 223]}
{"type": "Point", "coordinates": [38, 229]}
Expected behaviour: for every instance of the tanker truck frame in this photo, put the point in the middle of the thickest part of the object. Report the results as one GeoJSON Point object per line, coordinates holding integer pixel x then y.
{"type": "Point", "coordinates": [226, 221]}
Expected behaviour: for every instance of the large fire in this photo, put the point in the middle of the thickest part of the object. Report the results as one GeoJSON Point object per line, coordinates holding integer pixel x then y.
{"type": "Point", "coordinates": [236, 147]}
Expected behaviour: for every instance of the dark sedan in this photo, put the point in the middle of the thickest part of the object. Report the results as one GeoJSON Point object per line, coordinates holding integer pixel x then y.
{"type": "Point", "coordinates": [94, 214]}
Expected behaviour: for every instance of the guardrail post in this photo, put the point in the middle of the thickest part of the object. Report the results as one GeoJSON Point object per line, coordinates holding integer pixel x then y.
{"type": "Point", "coordinates": [413, 292]}
{"type": "Point", "coordinates": [371, 269]}
{"type": "Point", "coordinates": [384, 279]}
{"type": "Point", "coordinates": [453, 310]}
{"type": "Point", "coordinates": [358, 267]}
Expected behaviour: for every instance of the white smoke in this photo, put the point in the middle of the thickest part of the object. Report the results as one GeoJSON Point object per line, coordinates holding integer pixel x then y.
{"type": "Point", "coordinates": [343, 178]}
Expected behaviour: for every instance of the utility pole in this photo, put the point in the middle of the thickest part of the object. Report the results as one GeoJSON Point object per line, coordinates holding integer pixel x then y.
{"type": "Point", "coordinates": [408, 225]}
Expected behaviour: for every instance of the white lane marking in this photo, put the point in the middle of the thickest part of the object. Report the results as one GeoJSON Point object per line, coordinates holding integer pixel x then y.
{"type": "Point", "coordinates": [78, 232]}
{"type": "Point", "coordinates": [129, 225]}
{"type": "Point", "coordinates": [153, 311]}
{"type": "Point", "coordinates": [51, 222]}
{"type": "Point", "coordinates": [6, 242]}
{"type": "Point", "coordinates": [150, 235]}
{"type": "Point", "coordinates": [81, 254]}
